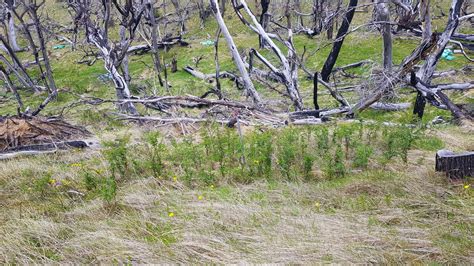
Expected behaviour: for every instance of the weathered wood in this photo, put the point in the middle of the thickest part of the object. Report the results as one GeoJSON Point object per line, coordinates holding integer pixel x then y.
{"type": "Point", "coordinates": [222, 74]}
{"type": "Point", "coordinates": [248, 85]}
{"type": "Point", "coordinates": [288, 71]}
{"type": "Point", "coordinates": [382, 10]}
{"type": "Point", "coordinates": [455, 165]}
{"type": "Point", "coordinates": [390, 106]}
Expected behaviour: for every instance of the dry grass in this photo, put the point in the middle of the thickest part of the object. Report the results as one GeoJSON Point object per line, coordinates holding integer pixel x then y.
{"type": "Point", "coordinates": [401, 214]}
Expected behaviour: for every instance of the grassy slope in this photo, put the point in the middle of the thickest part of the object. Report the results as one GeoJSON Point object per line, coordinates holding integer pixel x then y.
{"type": "Point", "coordinates": [393, 213]}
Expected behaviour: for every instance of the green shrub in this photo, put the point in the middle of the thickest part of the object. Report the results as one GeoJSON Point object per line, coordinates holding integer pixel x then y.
{"type": "Point", "coordinates": [335, 166]}
{"type": "Point", "coordinates": [108, 189]}
{"type": "Point", "coordinates": [116, 153]}
{"type": "Point", "coordinates": [90, 181]}
{"type": "Point", "coordinates": [399, 141]}
{"type": "Point", "coordinates": [428, 143]}
{"type": "Point", "coordinates": [362, 155]}
{"type": "Point", "coordinates": [287, 151]}
{"type": "Point", "coordinates": [156, 152]}
{"type": "Point", "coordinates": [259, 154]}
{"type": "Point", "coordinates": [322, 139]}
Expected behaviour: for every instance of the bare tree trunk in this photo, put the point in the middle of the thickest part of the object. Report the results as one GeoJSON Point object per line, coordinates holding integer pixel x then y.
{"type": "Point", "coordinates": [331, 60]}
{"type": "Point", "coordinates": [21, 74]}
{"type": "Point", "coordinates": [154, 40]}
{"type": "Point", "coordinates": [426, 19]}
{"type": "Point", "coordinates": [125, 61]}
{"type": "Point", "coordinates": [383, 16]}
{"type": "Point", "coordinates": [235, 54]}
{"type": "Point", "coordinates": [264, 20]}
{"type": "Point", "coordinates": [182, 22]}
{"type": "Point", "coordinates": [11, 29]}
{"type": "Point", "coordinates": [223, 5]}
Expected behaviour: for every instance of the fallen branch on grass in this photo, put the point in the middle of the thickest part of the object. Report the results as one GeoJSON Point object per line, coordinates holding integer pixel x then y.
{"type": "Point", "coordinates": [390, 106]}
{"type": "Point", "coordinates": [223, 74]}
{"type": "Point", "coordinates": [166, 43]}
{"type": "Point", "coordinates": [46, 148]}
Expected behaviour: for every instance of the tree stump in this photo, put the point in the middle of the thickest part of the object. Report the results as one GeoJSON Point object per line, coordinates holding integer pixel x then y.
{"type": "Point", "coordinates": [455, 165]}
{"type": "Point", "coordinates": [174, 65]}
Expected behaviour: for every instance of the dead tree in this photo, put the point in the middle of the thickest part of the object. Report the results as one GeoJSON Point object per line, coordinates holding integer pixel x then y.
{"type": "Point", "coordinates": [14, 72]}
{"type": "Point", "coordinates": [425, 74]}
{"type": "Point", "coordinates": [382, 13]}
{"type": "Point", "coordinates": [112, 53]}
{"type": "Point", "coordinates": [430, 51]}
{"type": "Point", "coordinates": [37, 43]}
{"type": "Point", "coordinates": [264, 20]}
{"type": "Point", "coordinates": [425, 17]}
{"type": "Point", "coordinates": [181, 17]}
{"type": "Point", "coordinates": [332, 58]}
{"type": "Point", "coordinates": [288, 72]}
{"type": "Point", "coordinates": [151, 19]}
{"type": "Point", "coordinates": [9, 17]}
{"type": "Point", "coordinates": [248, 85]}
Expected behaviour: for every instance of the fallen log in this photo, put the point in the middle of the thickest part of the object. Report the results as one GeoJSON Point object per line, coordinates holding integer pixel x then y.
{"type": "Point", "coordinates": [455, 166]}
{"type": "Point", "coordinates": [166, 43]}
{"type": "Point", "coordinates": [390, 106]}
{"type": "Point", "coordinates": [210, 77]}
{"type": "Point", "coordinates": [46, 148]}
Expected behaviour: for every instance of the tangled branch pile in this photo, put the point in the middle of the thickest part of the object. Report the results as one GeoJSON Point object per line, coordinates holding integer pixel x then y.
{"type": "Point", "coordinates": [17, 132]}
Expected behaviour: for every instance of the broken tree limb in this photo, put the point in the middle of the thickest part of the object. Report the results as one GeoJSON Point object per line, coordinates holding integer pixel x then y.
{"type": "Point", "coordinates": [222, 74]}
{"type": "Point", "coordinates": [47, 148]}
{"type": "Point", "coordinates": [454, 86]}
{"type": "Point", "coordinates": [455, 166]}
{"type": "Point", "coordinates": [390, 106]}
{"type": "Point", "coordinates": [166, 43]}
{"type": "Point", "coordinates": [178, 120]}
{"type": "Point", "coordinates": [334, 92]}
{"type": "Point", "coordinates": [353, 65]}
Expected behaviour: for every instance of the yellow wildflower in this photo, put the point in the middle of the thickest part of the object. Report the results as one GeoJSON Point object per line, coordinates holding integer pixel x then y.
{"type": "Point", "coordinates": [467, 186]}
{"type": "Point", "coordinates": [76, 165]}
{"type": "Point", "coordinates": [175, 178]}
{"type": "Point", "coordinates": [200, 197]}
{"type": "Point", "coordinates": [52, 181]}
{"type": "Point", "coordinates": [256, 162]}
{"type": "Point", "coordinates": [171, 214]}
{"type": "Point", "coordinates": [317, 204]}
{"type": "Point", "coordinates": [211, 186]}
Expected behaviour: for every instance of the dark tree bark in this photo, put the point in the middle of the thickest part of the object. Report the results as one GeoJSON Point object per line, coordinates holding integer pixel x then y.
{"type": "Point", "coordinates": [315, 92]}
{"type": "Point", "coordinates": [264, 20]}
{"type": "Point", "coordinates": [456, 166]}
{"type": "Point", "coordinates": [331, 60]}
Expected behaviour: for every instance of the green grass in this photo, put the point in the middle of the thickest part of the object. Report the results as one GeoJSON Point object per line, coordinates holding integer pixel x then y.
{"type": "Point", "coordinates": [341, 193]}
